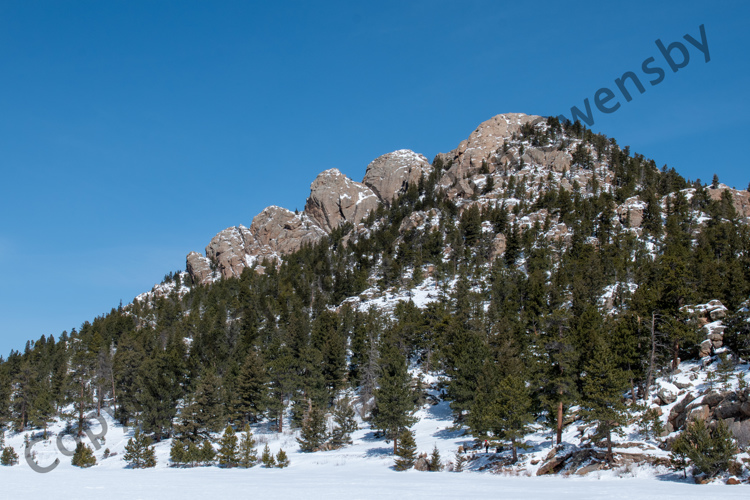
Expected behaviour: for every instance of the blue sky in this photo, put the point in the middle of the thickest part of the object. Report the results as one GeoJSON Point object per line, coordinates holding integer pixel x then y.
{"type": "Point", "coordinates": [132, 132]}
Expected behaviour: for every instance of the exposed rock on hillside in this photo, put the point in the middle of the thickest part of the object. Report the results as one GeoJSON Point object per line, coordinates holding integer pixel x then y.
{"type": "Point", "coordinates": [198, 267]}
{"type": "Point", "coordinates": [229, 250]}
{"type": "Point", "coordinates": [487, 139]}
{"type": "Point", "coordinates": [278, 231]}
{"type": "Point", "coordinates": [334, 198]}
{"type": "Point", "coordinates": [740, 199]}
{"type": "Point", "coordinates": [392, 173]}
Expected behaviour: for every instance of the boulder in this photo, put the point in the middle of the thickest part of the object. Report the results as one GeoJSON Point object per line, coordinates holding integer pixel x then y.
{"type": "Point", "coordinates": [422, 464]}
{"type": "Point", "coordinates": [706, 348]}
{"type": "Point", "coordinates": [740, 429]}
{"type": "Point", "coordinates": [727, 410]}
{"type": "Point", "coordinates": [553, 465]}
{"type": "Point", "coordinates": [698, 412]}
{"type": "Point", "coordinates": [718, 313]}
{"type": "Point", "coordinates": [630, 212]}
{"type": "Point", "coordinates": [335, 199]}
{"type": "Point", "coordinates": [498, 246]}
{"type": "Point", "coordinates": [717, 339]}
{"type": "Point", "coordinates": [713, 398]}
{"type": "Point", "coordinates": [678, 414]}
{"type": "Point", "coordinates": [667, 395]}
{"type": "Point", "coordinates": [391, 174]}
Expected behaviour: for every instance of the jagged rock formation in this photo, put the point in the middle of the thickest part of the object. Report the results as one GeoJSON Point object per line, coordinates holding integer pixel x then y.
{"type": "Point", "coordinates": [511, 159]}
{"type": "Point", "coordinates": [198, 267]}
{"type": "Point", "coordinates": [334, 199]}
{"type": "Point", "coordinates": [390, 174]}
{"type": "Point", "coordinates": [278, 231]}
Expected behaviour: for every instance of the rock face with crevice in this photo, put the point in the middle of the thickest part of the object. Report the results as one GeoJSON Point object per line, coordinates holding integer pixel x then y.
{"type": "Point", "coordinates": [278, 231]}
{"type": "Point", "coordinates": [335, 198]}
{"type": "Point", "coordinates": [391, 174]}
{"type": "Point", "coordinates": [198, 267]}
{"type": "Point", "coordinates": [229, 249]}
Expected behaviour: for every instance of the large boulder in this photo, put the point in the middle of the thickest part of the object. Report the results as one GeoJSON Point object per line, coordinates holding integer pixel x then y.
{"type": "Point", "coordinates": [335, 199]}
{"type": "Point", "coordinates": [391, 174]}
{"type": "Point", "coordinates": [667, 394]}
{"type": "Point", "coordinates": [499, 244]}
{"type": "Point", "coordinates": [630, 212]}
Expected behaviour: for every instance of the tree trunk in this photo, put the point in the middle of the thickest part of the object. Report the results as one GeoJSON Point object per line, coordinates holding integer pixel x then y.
{"type": "Point", "coordinates": [513, 448]}
{"type": "Point", "coordinates": [675, 355]}
{"type": "Point", "coordinates": [395, 443]}
{"type": "Point", "coordinates": [114, 396]}
{"type": "Point", "coordinates": [80, 411]}
{"type": "Point", "coordinates": [652, 357]}
{"type": "Point", "coordinates": [559, 420]}
{"type": "Point", "coordinates": [610, 458]}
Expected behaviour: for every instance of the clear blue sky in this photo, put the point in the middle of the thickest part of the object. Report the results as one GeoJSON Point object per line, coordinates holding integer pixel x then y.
{"type": "Point", "coordinates": [131, 132]}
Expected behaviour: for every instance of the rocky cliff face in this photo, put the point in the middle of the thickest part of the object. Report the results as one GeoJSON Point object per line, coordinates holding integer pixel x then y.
{"type": "Point", "coordinates": [390, 175]}
{"type": "Point", "coordinates": [511, 159]}
{"type": "Point", "coordinates": [334, 199]}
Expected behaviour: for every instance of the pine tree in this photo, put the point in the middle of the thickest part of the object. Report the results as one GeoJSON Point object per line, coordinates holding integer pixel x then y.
{"type": "Point", "coordinates": [247, 455]}
{"type": "Point", "coordinates": [502, 408]}
{"type": "Point", "coordinates": [679, 455]}
{"type": "Point", "coordinates": [407, 451]}
{"type": "Point", "coordinates": [204, 412]}
{"type": "Point", "coordinates": [178, 453]}
{"type": "Point", "coordinates": [603, 388]}
{"type": "Point", "coordinates": [344, 418]}
{"type": "Point", "coordinates": [436, 465]}
{"type": "Point", "coordinates": [458, 466]}
{"type": "Point", "coordinates": [83, 456]}
{"type": "Point", "coordinates": [138, 451]}
{"type": "Point", "coordinates": [313, 433]}
{"type": "Point", "coordinates": [267, 458]}
{"type": "Point", "coordinates": [228, 456]}
{"type": "Point", "coordinates": [9, 456]}
{"type": "Point", "coordinates": [709, 451]}
{"type": "Point", "coordinates": [206, 453]}
{"type": "Point", "coordinates": [394, 400]}
{"type": "Point", "coordinates": [251, 398]}
{"type": "Point", "coordinates": [281, 459]}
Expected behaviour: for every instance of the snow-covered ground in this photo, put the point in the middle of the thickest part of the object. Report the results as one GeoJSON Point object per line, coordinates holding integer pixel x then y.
{"type": "Point", "coordinates": [352, 480]}
{"type": "Point", "coordinates": [362, 470]}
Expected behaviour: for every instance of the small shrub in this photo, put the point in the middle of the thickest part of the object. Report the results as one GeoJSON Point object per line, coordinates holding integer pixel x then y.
{"type": "Point", "coordinates": [83, 456]}
{"type": "Point", "coordinates": [281, 459]}
{"type": "Point", "coordinates": [267, 458]}
{"type": "Point", "coordinates": [9, 456]}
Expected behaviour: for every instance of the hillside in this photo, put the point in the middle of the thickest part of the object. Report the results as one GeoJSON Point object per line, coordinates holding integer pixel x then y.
{"type": "Point", "coordinates": [538, 286]}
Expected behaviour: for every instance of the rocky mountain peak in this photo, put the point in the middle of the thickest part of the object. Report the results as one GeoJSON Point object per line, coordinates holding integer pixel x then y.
{"type": "Point", "coordinates": [335, 198]}
{"type": "Point", "coordinates": [488, 137]}
{"type": "Point", "coordinates": [390, 174]}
